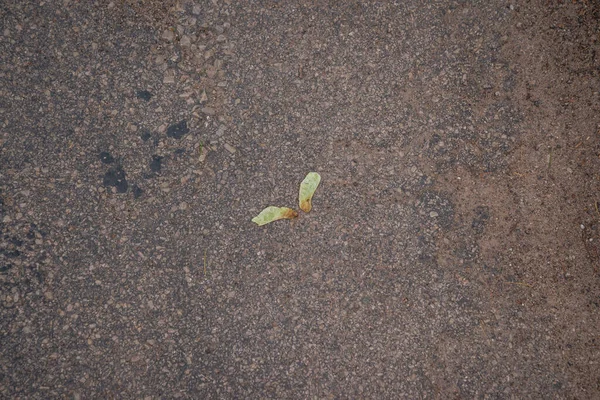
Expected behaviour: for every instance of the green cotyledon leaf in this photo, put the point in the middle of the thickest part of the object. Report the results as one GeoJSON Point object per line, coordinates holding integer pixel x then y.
{"type": "Point", "coordinates": [307, 190]}
{"type": "Point", "coordinates": [272, 213]}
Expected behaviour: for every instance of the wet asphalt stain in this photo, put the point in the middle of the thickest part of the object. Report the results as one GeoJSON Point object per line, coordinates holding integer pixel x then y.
{"type": "Point", "coordinates": [116, 177]}
{"type": "Point", "coordinates": [144, 95]}
{"type": "Point", "coordinates": [156, 164]}
{"type": "Point", "coordinates": [178, 130]}
{"type": "Point", "coordinates": [106, 158]}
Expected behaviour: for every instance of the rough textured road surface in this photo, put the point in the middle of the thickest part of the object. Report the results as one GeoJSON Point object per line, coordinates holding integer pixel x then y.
{"type": "Point", "coordinates": [453, 249]}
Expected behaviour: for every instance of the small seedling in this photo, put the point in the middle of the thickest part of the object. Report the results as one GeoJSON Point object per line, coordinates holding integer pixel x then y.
{"type": "Point", "coordinates": [307, 190]}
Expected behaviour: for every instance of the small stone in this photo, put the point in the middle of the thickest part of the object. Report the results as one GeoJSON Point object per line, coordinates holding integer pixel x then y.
{"type": "Point", "coordinates": [433, 214]}
{"type": "Point", "coordinates": [183, 206]}
{"type": "Point", "coordinates": [6, 219]}
{"type": "Point", "coordinates": [169, 77]}
{"type": "Point", "coordinates": [203, 153]}
{"type": "Point", "coordinates": [203, 97]}
{"type": "Point", "coordinates": [221, 38]}
{"type": "Point", "coordinates": [185, 41]}
{"type": "Point", "coordinates": [208, 110]}
{"type": "Point", "coordinates": [168, 35]}
{"type": "Point", "coordinates": [178, 130]}
{"type": "Point", "coordinates": [230, 148]}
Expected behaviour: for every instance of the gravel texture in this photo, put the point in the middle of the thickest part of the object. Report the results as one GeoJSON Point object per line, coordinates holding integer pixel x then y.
{"type": "Point", "coordinates": [453, 249]}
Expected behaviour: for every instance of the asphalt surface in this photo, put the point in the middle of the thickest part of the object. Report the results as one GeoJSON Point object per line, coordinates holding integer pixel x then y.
{"type": "Point", "coordinates": [453, 249]}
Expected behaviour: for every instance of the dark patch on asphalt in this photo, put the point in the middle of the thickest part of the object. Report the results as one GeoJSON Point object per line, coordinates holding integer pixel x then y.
{"type": "Point", "coordinates": [467, 251]}
{"type": "Point", "coordinates": [5, 268]}
{"type": "Point", "coordinates": [492, 270]}
{"type": "Point", "coordinates": [31, 232]}
{"type": "Point", "coordinates": [156, 164]}
{"type": "Point", "coordinates": [482, 215]}
{"type": "Point", "coordinates": [178, 130]}
{"type": "Point", "coordinates": [137, 192]}
{"type": "Point", "coordinates": [438, 208]}
{"type": "Point", "coordinates": [146, 135]}
{"type": "Point", "coordinates": [10, 254]}
{"type": "Point", "coordinates": [115, 177]}
{"type": "Point", "coordinates": [106, 158]}
{"type": "Point", "coordinates": [144, 95]}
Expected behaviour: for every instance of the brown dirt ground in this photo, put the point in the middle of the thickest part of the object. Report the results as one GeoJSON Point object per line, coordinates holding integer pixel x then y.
{"type": "Point", "coordinates": [544, 240]}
